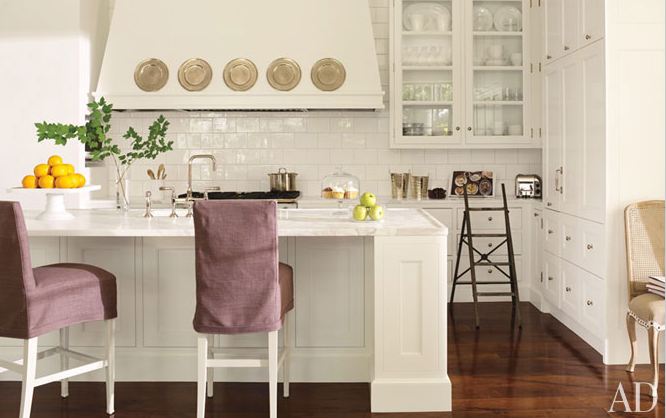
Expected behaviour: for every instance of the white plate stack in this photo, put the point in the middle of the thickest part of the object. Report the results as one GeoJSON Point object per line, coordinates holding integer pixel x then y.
{"type": "Point", "coordinates": [656, 285]}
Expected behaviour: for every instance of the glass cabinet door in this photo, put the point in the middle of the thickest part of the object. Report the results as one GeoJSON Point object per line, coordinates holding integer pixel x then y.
{"type": "Point", "coordinates": [498, 79]}
{"type": "Point", "coordinates": [427, 72]}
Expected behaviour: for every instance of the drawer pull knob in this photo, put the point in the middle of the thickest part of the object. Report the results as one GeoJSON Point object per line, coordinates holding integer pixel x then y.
{"type": "Point", "coordinates": [548, 57]}
{"type": "Point", "coordinates": [550, 279]}
{"type": "Point", "coordinates": [566, 48]}
{"type": "Point", "coordinates": [550, 231]}
{"type": "Point", "coordinates": [490, 271]}
{"type": "Point", "coordinates": [490, 245]}
{"type": "Point", "coordinates": [589, 303]}
{"type": "Point", "coordinates": [490, 219]}
{"type": "Point", "coordinates": [588, 37]}
{"type": "Point", "coordinates": [536, 215]}
{"type": "Point", "coordinates": [568, 289]}
{"type": "Point", "coordinates": [590, 246]}
{"type": "Point", "coordinates": [568, 238]}
{"type": "Point", "coordinates": [549, 204]}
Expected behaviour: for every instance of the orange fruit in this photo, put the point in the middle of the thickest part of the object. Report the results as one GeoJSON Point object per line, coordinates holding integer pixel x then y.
{"type": "Point", "coordinates": [29, 182]}
{"type": "Point", "coordinates": [59, 170]}
{"type": "Point", "coordinates": [46, 182]}
{"type": "Point", "coordinates": [70, 168]}
{"type": "Point", "coordinates": [55, 160]}
{"type": "Point", "coordinates": [41, 170]}
{"type": "Point", "coordinates": [66, 182]}
{"type": "Point", "coordinates": [81, 180]}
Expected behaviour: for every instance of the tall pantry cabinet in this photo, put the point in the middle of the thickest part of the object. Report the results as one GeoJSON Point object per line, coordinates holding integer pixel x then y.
{"type": "Point", "coordinates": [592, 51]}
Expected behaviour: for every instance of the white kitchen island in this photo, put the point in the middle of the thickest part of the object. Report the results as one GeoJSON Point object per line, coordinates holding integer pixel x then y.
{"type": "Point", "coordinates": [370, 299]}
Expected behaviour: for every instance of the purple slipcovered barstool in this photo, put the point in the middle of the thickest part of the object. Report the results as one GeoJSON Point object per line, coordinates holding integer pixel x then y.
{"type": "Point", "coordinates": [241, 287]}
{"type": "Point", "coordinates": [36, 301]}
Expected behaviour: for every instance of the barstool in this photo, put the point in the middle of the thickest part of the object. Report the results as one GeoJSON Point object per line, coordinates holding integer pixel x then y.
{"type": "Point", "coordinates": [241, 288]}
{"type": "Point", "coordinates": [36, 301]}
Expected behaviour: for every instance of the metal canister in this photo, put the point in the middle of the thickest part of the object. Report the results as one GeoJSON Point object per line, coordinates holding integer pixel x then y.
{"type": "Point", "coordinates": [282, 181]}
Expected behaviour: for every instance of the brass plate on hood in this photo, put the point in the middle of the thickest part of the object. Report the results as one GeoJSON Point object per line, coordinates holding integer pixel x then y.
{"type": "Point", "coordinates": [284, 74]}
{"type": "Point", "coordinates": [240, 74]}
{"type": "Point", "coordinates": [195, 74]}
{"type": "Point", "coordinates": [328, 74]}
{"type": "Point", "coordinates": [151, 74]}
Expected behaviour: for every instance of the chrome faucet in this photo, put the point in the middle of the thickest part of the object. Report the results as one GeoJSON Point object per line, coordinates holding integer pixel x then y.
{"type": "Point", "coordinates": [189, 170]}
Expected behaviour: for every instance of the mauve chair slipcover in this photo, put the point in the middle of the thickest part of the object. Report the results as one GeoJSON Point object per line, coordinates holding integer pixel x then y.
{"type": "Point", "coordinates": [241, 286]}
{"type": "Point", "coordinates": [36, 301]}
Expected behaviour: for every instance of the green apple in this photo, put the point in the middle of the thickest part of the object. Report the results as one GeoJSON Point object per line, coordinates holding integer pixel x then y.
{"type": "Point", "coordinates": [368, 200]}
{"type": "Point", "coordinates": [377, 213]}
{"type": "Point", "coordinates": [360, 213]}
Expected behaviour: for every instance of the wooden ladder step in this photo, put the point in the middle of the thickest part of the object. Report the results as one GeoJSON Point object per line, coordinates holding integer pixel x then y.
{"type": "Point", "coordinates": [492, 263]}
{"type": "Point", "coordinates": [488, 235]}
{"type": "Point", "coordinates": [482, 283]}
{"type": "Point", "coordinates": [486, 209]}
{"type": "Point", "coordinates": [494, 293]}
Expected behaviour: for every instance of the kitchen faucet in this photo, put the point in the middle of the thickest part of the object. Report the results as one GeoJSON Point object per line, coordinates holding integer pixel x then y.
{"type": "Point", "coordinates": [189, 170]}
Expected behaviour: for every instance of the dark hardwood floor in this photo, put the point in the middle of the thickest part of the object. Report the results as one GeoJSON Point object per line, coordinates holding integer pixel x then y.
{"type": "Point", "coordinates": [544, 370]}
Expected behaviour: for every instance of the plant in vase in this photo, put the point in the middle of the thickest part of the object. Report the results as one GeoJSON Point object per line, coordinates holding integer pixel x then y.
{"type": "Point", "coordinates": [94, 135]}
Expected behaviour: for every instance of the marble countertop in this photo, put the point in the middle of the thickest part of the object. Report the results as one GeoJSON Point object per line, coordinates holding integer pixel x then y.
{"type": "Point", "coordinates": [292, 223]}
{"type": "Point", "coordinates": [449, 202]}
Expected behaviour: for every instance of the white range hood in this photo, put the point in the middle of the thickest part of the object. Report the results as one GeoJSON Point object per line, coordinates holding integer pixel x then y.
{"type": "Point", "coordinates": [219, 31]}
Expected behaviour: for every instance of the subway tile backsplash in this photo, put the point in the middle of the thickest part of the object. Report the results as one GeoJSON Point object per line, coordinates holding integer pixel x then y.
{"type": "Point", "coordinates": [248, 145]}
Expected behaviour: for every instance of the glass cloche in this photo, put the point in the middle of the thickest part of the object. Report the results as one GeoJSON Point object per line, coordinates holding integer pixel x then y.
{"type": "Point", "coordinates": [340, 186]}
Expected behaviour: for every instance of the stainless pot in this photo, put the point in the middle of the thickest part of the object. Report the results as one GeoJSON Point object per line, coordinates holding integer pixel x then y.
{"type": "Point", "coordinates": [282, 181]}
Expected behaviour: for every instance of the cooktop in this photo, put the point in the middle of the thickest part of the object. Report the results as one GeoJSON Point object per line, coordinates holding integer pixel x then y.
{"type": "Point", "coordinates": [282, 197]}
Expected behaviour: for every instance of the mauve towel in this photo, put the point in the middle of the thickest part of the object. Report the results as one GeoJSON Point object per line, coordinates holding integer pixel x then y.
{"type": "Point", "coordinates": [241, 287]}
{"type": "Point", "coordinates": [36, 301]}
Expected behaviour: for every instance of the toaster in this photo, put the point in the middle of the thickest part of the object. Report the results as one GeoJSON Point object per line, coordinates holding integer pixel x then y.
{"type": "Point", "coordinates": [528, 186]}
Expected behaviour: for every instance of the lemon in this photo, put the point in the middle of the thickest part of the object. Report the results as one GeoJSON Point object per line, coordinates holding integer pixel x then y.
{"type": "Point", "coordinates": [81, 180]}
{"type": "Point", "coordinates": [66, 182]}
{"type": "Point", "coordinates": [46, 182]}
{"type": "Point", "coordinates": [70, 169]}
{"type": "Point", "coordinates": [59, 170]}
{"type": "Point", "coordinates": [29, 182]}
{"type": "Point", "coordinates": [41, 170]}
{"type": "Point", "coordinates": [55, 160]}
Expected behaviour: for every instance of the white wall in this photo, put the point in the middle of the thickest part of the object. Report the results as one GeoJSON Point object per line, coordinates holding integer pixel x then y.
{"type": "Point", "coordinates": [47, 51]}
{"type": "Point", "coordinates": [635, 132]}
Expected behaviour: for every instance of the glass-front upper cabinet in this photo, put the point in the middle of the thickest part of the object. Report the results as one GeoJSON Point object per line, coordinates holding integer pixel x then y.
{"type": "Point", "coordinates": [459, 73]}
{"type": "Point", "coordinates": [427, 72]}
{"type": "Point", "coordinates": [498, 73]}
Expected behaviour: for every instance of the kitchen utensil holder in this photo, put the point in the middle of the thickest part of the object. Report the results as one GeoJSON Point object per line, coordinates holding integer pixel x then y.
{"type": "Point", "coordinates": [399, 185]}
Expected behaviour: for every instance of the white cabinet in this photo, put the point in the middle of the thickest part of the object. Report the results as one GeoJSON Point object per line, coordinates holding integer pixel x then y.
{"type": "Point", "coordinates": [593, 305]}
{"type": "Point", "coordinates": [552, 232]}
{"type": "Point", "coordinates": [169, 295]}
{"type": "Point", "coordinates": [552, 278]}
{"type": "Point", "coordinates": [330, 291]}
{"type": "Point", "coordinates": [536, 253]}
{"type": "Point", "coordinates": [572, 24]}
{"type": "Point", "coordinates": [455, 82]}
{"type": "Point", "coordinates": [571, 291]}
{"type": "Point", "coordinates": [575, 134]}
{"type": "Point", "coordinates": [592, 21]}
{"type": "Point", "coordinates": [116, 255]}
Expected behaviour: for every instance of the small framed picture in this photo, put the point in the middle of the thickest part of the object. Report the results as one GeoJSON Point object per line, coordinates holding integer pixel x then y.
{"type": "Point", "coordinates": [478, 183]}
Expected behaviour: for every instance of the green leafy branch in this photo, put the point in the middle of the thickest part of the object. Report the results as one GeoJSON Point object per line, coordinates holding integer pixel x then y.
{"type": "Point", "coordinates": [94, 134]}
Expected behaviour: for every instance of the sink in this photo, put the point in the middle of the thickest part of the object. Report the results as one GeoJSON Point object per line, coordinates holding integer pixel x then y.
{"type": "Point", "coordinates": [165, 212]}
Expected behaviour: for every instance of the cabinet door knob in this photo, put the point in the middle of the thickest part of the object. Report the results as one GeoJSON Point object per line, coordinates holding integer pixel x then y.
{"type": "Point", "coordinates": [490, 245]}
{"type": "Point", "coordinates": [469, 128]}
{"type": "Point", "coordinates": [536, 215]}
{"type": "Point", "coordinates": [568, 289]}
{"type": "Point", "coordinates": [568, 238]}
{"type": "Point", "coordinates": [550, 279]}
{"type": "Point", "coordinates": [548, 57]}
{"type": "Point", "coordinates": [589, 303]}
{"type": "Point", "coordinates": [490, 271]}
{"type": "Point", "coordinates": [550, 231]}
{"type": "Point", "coordinates": [590, 246]}
{"type": "Point", "coordinates": [490, 219]}
{"type": "Point", "coordinates": [566, 48]}
{"type": "Point", "coordinates": [457, 128]}
{"type": "Point", "coordinates": [549, 204]}
{"type": "Point", "coordinates": [588, 37]}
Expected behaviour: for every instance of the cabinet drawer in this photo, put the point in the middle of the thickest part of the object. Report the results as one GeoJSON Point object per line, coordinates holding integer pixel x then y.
{"type": "Point", "coordinates": [592, 247]}
{"type": "Point", "coordinates": [445, 216]}
{"type": "Point", "coordinates": [551, 232]}
{"type": "Point", "coordinates": [552, 279]}
{"type": "Point", "coordinates": [486, 244]}
{"type": "Point", "coordinates": [484, 274]}
{"type": "Point", "coordinates": [492, 220]}
{"type": "Point", "coordinates": [571, 290]}
{"type": "Point", "coordinates": [570, 238]}
{"type": "Point", "coordinates": [593, 302]}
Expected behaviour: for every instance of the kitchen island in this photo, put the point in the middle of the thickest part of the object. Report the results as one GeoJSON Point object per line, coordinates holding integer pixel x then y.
{"type": "Point", "coordinates": [370, 298]}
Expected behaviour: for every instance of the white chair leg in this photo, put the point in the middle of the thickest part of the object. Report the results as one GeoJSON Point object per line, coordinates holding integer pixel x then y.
{"type": "Point", "coordinates": [287, 354]}
{"type": "Point", "coordinates": [210, 371]}
{"type": "Point", "coordinates": [272, 372]}
{"type": "Point", "coordinates": [202, 354]}
{"type": "Point", "coordinates": [653, 339]}
{"type": "Point", "coordinates": [64, 361]}
{"type": "Point", "coordinates": [111, 366]}
{"type": "Point", "coordinates": [29, 370]}
{"type": "Point", "coordinates": [631, 330]}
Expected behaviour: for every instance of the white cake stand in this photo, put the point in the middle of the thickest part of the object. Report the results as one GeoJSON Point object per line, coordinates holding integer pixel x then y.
{"type": "Point", "coordinates": [55, 209]}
